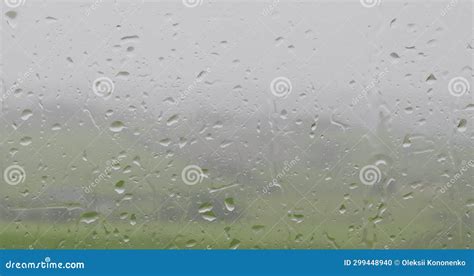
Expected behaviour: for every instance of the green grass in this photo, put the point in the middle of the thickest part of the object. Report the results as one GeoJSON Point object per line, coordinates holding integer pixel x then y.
{"type": "Point", "coordinates": [348, 230]}
{"type": "Point", "coordinates": [336, 212]}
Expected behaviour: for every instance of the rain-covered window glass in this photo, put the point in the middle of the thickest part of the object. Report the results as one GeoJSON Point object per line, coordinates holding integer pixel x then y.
{"type": "Point", "coordinates": [236, 124]}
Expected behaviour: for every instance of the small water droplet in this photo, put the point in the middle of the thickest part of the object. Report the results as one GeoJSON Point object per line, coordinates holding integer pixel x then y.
{"type": "Point", "coordinates": [117, 126]}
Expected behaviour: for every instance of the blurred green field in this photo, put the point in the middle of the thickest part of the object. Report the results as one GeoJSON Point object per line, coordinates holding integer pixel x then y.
{"type": "Point", "coordinates": [320, 204]}
{"type": "Point", "coordinates": [258, 227]}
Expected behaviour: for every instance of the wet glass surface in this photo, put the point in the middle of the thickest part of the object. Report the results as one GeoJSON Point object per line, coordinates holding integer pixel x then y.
{"type": "Point", "coordinates": [235, 124]}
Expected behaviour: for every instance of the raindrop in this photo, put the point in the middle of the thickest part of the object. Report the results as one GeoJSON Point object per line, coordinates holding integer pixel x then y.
{"type": "Point", "coordinates": [89, 217]}
{"type": "Point", "coordinates": [120, 187]}
{"type": "Point", "coordinates": [26, 114]}
{"type": "Point", "coordinates": [11, 14]}
{"type": "Point", "coordinates": [172, 120]}
{"type": "Point", "coordinates": [209, 216]}
{"type": "Point", "coordinates": [229, 204]}
{"type": "Point", "coordinates": [234, 244]}
{"type": "Point", "coordinates": [462, 125]}
{"type": "Point", "coordinates": [117, 126]}
{"type": "Point", "coordinates": [395, 57]}
{"type": "Point", "coordinates": [342, 209]}
{"type": "Point", "coordinates": [406, 141]}
{"type": "Point", "coordinates": [258, 228]}
{"type": "Point", "coordinates": [25, 141]}
{"type": "Point", "coordinates": [205, 207]}
{"type": "Point", "coordinates": [431, 79]}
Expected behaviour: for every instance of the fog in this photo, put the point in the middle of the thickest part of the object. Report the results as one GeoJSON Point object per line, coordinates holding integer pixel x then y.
{"type": "Point", "coordinates": [280, 108]}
